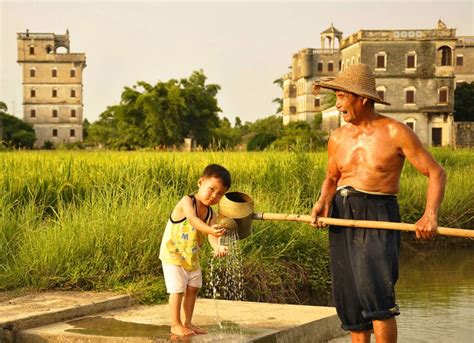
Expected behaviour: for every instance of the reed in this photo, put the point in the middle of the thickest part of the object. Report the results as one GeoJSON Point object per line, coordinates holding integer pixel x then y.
{"type": "Point", "coordinates": [94, 220]}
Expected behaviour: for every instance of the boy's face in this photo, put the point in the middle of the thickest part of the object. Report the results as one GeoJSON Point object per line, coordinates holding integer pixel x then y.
{"type": "Point", "coordinates": [211, 190]}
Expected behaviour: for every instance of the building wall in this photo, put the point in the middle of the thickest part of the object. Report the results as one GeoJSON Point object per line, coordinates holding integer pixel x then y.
{"type": "Point", "coordinates": [464, 134]}
{"type": "Point", "coordinates": [465, 48]}
{"type": "Point", "coordinates": [55, 117]}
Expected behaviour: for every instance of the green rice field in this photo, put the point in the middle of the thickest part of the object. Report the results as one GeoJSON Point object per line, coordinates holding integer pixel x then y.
{"type": "Point", "coordinates": [94, 220]}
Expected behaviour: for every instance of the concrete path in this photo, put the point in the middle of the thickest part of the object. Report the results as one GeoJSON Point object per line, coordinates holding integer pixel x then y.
{"type": "Point", "coordinates": [226, 321]}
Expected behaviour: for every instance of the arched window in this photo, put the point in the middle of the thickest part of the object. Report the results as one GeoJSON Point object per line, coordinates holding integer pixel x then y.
{"type": "Point", "coordinates": [446, 55]}
{"type": "Point", "coordinates": [411, 123]}
{"type": "Point", "coordinates": [32, 72]}
{"type": "Point", "coordinates": [54, 72]}
{"type": "Point", "coordinates": [32, 49]}
{"type": "Point", "coordinates": [443, 95]}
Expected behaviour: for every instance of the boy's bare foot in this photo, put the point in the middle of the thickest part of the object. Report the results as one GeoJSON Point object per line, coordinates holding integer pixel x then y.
{"type": "Point", "coordinates": [196, 330]}
{"type": "Point", "coordinates": [180, 330]}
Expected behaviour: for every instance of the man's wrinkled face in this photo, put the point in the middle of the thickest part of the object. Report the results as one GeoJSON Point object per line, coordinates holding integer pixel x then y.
{"type": "Point", "coordinates": [349, 105]}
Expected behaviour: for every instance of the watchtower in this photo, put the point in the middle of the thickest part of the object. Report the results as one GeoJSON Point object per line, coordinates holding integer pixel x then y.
{"type": "Point", "coordinates": [52, 86]}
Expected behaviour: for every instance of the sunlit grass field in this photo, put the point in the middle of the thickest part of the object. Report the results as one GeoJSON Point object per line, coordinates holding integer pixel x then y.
{"type": "Point", "coordinates": [94, 220]}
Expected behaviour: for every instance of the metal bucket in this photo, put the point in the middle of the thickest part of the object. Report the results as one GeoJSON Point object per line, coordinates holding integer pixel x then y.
{"type": "Point", "coordinates": [238, 206]}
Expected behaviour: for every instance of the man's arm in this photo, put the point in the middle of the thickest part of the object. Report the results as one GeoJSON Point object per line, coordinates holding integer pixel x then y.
{"type": "Point", "coordinates": [424, 162]}
{"type": "Point", "coordinates": [328, 189]}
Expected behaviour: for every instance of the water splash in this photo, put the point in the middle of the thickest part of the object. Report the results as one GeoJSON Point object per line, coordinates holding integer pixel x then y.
{"type": "Point", "coordinates": [226, 276]}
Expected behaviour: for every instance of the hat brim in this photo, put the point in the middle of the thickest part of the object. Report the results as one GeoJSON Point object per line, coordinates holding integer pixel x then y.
{"type": "Point", "coordinates": [334, 85]}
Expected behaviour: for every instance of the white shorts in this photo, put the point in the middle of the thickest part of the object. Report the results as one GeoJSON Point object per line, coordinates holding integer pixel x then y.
{"type": "Point", "coordinates": [177, 278]}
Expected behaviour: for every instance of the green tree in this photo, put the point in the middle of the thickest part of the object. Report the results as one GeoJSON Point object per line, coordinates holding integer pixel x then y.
{"type": "Point", "coordinates": [15, 132]}
{"type": "Point", "coordinates": [464, 102]}
{"type": "Point", "coordinates": [225, 136]}
{"type": "Point", "coordinates": [279, 101]}
{"type": "Point", "coordinates": [160, 115]}
{"type": "Point", "coordinates": [201, 114]}
{"type": "Point", "coordinates": [301, 135]}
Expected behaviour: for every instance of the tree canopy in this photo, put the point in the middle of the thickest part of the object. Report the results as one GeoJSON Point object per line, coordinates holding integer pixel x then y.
{"type": "Point", "coordinates": [14, 132]}
{"type": "Point", "coordinates": [160, 115]}
{"type": "Point", "coordinates": [464, 102]}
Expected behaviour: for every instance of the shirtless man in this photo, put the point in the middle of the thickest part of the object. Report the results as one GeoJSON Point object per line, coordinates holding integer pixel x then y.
{"type": "Point", "coordinates": [365, 160]}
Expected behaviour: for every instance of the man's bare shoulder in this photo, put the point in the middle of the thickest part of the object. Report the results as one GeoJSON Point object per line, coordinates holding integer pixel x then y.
{"type": "Point", "coordinates": [338, 133]}
{"type": "Point", "coordinates": [394, 126]}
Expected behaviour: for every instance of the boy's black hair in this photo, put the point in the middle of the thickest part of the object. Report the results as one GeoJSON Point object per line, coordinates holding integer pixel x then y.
{"type": "Point", "coordinates": [219, 172]}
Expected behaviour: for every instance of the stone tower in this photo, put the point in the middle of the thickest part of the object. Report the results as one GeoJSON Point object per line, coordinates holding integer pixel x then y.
{"type": "Point", "coordinates": [330, 35]}
{"type": "Point", "coordinates": [52, 86]}
{"type": "Point", "coordinates": [307, 66]}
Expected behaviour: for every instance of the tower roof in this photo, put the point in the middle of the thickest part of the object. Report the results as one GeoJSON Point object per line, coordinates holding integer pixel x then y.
{"type": "Point", "coordinates": [332, 29]}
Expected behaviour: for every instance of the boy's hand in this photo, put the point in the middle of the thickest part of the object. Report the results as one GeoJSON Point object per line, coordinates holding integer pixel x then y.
{"type": "Point", "coordinates": [217, 231]}
{"type": "Point", "coordinates": [221, 251]}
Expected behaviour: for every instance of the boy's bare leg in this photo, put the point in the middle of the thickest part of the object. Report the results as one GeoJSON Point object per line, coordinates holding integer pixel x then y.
{"type": "Point", "coordinates": [385, 330]}
{"type": "Point", "coordinates": [360, 336]}
{"type": "Point", "coordinates": [188, 306]}
{"type": "Point", "coordinates": [177, 327]}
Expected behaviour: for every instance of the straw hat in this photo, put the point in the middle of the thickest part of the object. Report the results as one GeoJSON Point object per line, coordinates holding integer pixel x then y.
{"type": "Point", "coordinates": [357, 79]}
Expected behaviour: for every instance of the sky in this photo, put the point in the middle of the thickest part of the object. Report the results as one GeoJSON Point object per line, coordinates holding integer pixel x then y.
{"type": "Point", "coordinates": [243, 46]}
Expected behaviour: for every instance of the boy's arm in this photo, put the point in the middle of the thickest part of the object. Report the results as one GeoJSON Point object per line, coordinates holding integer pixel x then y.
{"type": "Point", "coordinates": [186, 205]}
{"type": "Point", "coordinates": [219, 250]}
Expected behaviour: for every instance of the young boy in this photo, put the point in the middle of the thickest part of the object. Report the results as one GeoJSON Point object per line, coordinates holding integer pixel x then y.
{"type": "Point", "coordinates": [190, 222]}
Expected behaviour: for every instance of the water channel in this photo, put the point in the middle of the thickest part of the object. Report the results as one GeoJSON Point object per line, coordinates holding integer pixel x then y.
{"type": "Point", "coordinates": [435, 293]}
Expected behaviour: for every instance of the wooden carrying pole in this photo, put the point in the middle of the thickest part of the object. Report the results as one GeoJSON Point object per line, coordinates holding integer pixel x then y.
{"type": "Point", "coordinates": [369, 224]}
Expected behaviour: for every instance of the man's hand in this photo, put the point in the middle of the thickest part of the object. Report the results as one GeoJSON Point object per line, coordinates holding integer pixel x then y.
{"type": "Point", "coordinates": [426, 226]}
{"type": "Point", "coordinates": [320, 209]}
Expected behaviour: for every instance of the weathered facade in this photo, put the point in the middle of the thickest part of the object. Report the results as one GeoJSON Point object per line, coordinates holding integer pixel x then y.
{"type": "Point", "coordinates": [52, 87]}
{"type": "Point", "coordinates": [415, 71]}
{"type": "Point", "coordinates": [308, 65]}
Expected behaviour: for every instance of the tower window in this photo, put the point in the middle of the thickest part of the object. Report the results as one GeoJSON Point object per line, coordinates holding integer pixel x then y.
{"type": "Point", "coordinates": [443, 96]}
{"type": "Point", "coordinates": [73, 93]}
{"type": "Point", "coordinates": [317, 102]}
{"type": "Point", "coordinates": [32, 50]}
{"type": "Point", "coordinates": [73, 113]}
{"type": "Point", "coordinates": [381, 60]}
{"type": "Point", "coordinates": [411, 61]}
{"type": "Point", "coordinates": [55, 132]}
{"type": "Point", "coordinates": [55, 93]}
{"type": "Point", "coordinates": [54, 73]}
{"type": "Point", "coordinates": [330, 66]}
{"type": "Point", "coordinates": [33, 113]}
{"type": "Point", "coordinates": [55, 113]}
{"type": "Point", "coordinates": [72, 133]}
{"type": "Point", "coordinates": [409, 96]}
{"type": "Point", "coordinates": [320, 66]}
{"type": "Point", "coordinates": [32, 72]}
{"type": "Point", "coordinates": [445, 56]}
{"type": "Point", "coordinates": [72, 72]}
{"type": "Point", "coordinates": [33, 93]}
{"type": "Point", "coordinates": [459, 60]}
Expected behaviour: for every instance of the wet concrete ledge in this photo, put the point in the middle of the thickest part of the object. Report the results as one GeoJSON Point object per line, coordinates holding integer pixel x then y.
{"type": "Point", "coordinates": [39, 309]}
{"type": "Point", "coordinates": [266, 323]}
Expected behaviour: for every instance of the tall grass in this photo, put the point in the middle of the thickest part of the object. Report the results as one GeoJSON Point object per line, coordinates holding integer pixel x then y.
{"type": "Point", "coordinates": [94, 220]}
